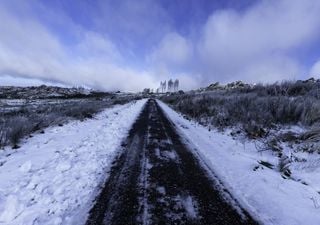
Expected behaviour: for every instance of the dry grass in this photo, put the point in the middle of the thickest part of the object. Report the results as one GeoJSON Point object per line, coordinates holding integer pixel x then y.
{"type": "Point", "coordinates": [17, 124]}
{"type": "Point", "coordinates": [257, 110]}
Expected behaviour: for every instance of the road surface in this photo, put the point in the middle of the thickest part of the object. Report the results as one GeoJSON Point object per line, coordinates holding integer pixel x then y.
{"type": "Point", "coordinates": [156, 179]}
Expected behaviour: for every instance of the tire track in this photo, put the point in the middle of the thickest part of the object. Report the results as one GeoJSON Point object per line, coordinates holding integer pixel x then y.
{"type": "Point", "coordinates": [157, 180]}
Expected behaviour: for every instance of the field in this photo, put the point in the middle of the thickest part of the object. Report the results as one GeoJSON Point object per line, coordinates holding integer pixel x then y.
{"type": "Point", "coordinates": [76, 156]}
{"type": "Point", "coordinates": [259, 111]}
{"type": "Point", "coordinates": [21, 117]}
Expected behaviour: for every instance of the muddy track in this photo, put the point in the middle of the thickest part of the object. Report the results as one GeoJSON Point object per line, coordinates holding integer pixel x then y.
{"type": "Point", "coordinates": [156, 179]}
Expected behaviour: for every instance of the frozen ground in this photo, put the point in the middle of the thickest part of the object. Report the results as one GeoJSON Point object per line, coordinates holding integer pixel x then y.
{"type": "Point", "coordinates": [269, 197]}
{"type": "Point", "coordinates": [53, 177]}
{"type": "Point", "coordinates": [155, 180]}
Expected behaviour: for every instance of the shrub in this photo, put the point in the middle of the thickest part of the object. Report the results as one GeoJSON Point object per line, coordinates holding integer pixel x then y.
{"type": "Point", "coordinates": [32, 117]}
{"type": "Point", "coordinates": [256, 109]}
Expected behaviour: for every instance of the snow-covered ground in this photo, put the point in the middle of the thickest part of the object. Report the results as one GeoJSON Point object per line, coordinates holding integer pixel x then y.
{"type": "Point", "coordinates": [54, 177]}
{"type": "Point", "coordinates": [269, 197]}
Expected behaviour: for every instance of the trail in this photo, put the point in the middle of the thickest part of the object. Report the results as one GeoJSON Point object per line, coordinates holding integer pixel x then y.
{"type": "Point", "coordinates": [156, 179]}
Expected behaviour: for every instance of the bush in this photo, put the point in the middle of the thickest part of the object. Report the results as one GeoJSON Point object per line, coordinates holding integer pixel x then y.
{"type": "Point", "coordinates": [18, 127]}
{"type": "Point", "coordinates": [35, 116]}
{"type": "Point", "coordinates": [256, 109]}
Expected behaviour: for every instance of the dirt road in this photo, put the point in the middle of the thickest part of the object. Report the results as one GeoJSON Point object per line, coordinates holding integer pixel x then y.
{"type": "Point", "coordinates": [156, 179]}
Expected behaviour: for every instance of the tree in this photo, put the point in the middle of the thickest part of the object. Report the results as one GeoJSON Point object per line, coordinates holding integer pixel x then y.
{"type": "Point", "coordinates": [164, 87]}
{"type": "Point", "coordinates": [176, 85]}
{"type": "Point", "coordinates": [170, 85]}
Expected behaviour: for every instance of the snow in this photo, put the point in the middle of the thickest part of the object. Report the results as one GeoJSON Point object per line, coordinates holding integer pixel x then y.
{"type": "Point", "coordinates": [263, 192]}
{"type": "Point", "coordinates": [190, 206]}
{"type": "Point", "coordinates": [54, 177]}
{"type": "Point", "coordinates": [161, 190]}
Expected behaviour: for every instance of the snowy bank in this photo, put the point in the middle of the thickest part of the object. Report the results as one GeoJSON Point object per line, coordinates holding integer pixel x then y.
{"type": "Point", "coordinates": [262, 191]}
{"type": "Point", "coordinates": [54, 177]}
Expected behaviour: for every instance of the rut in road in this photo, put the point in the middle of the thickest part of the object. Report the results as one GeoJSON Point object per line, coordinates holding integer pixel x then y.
{"type": "Point", "coordinates": [156, 179]}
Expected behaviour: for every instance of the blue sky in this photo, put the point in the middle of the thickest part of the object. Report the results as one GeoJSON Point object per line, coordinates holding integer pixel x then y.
{"type": "Point", "coordinates": [129, 45]}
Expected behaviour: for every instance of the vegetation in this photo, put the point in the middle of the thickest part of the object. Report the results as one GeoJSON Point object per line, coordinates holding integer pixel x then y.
{"type": "Point", "coordinates": [34, 116]}
{"type": "Point", "coordinates": [254, 109]}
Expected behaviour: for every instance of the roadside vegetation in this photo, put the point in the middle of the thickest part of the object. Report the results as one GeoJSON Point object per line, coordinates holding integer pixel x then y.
{"type": "Point", "coordinates": [258, 111]}
{"type": "Point", "coordinates": [30, 116]}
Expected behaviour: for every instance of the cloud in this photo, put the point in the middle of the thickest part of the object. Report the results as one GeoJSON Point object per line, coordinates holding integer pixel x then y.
{"type": "Point", "coordinates": [7, 80]}
{"type": "Point", "coordinates": [171, 55]}
{"type": "Point", "coordinates": [29, 49]}
{"type": "Point", "coordinates": [136, 25]}
{"type": "Point", "coordinates": [187, 81]}
{"type": "Point", "coordinates": [315, 70]}
{"type": "Point", "coordinates": [170, 60]}
{"type": "Point", "coordinates": [95, 45]}
{"type": "Point", "coordinates": [174, 50]}
{"type": "Point", "coordinates": [257, 44]}
{"type": "Point", "coordinates": [129, 46]}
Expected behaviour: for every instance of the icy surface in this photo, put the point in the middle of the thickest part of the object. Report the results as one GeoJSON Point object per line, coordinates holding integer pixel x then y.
{"type": "Point", "coordinates": [269, 197]}
{"type": "Point", "coordinates": [53, 177]}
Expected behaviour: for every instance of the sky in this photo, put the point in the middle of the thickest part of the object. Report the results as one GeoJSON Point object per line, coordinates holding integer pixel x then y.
{"type": "Point", "coordinates": [130, 45]}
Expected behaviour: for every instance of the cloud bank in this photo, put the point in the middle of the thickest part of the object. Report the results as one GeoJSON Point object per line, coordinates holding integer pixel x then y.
{"type": "Point", "coordinates": [131, 45]}
{"type": "Point", "coordinates": [29, 50]}
{"type": "Point", "coordinates": [257, 45]}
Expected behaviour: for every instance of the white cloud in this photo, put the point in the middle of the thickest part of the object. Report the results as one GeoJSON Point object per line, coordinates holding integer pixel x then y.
{"type": "Point", "coordinates": [269, 69]}
{"type": "Point", "coordinates": [258, 41]}
{"type": "Point", "coordinates": [315, 70]}
{"type": "Point", "coordinates": [188, 81]}
{"type": "Point", "coordinates": [95, 45]}
{"type": "Point", "coordinates": [170, 60]}
{"type": "Point", "coordinates": [28, 49]}
{"type": "Point", "coordinates": [173, 50]}
{"type": "Point", "coordinates": [257, 44]}
{"type": "Point", "coordinates": [6, 80]}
